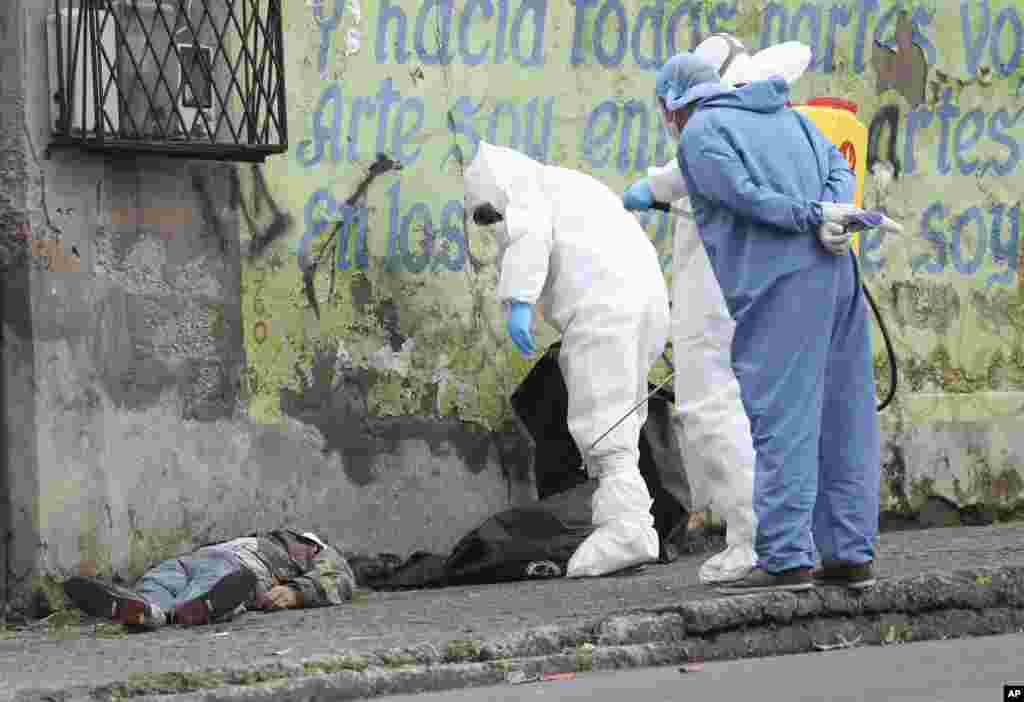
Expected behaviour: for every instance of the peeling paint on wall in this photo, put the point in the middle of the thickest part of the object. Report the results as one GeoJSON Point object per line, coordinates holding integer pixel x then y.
{"type": "Point", "coordinates": [402, 300]}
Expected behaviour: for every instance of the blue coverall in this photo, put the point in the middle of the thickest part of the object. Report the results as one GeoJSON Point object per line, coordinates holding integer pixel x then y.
{"type": "Point", "coordinates": [755, 170]}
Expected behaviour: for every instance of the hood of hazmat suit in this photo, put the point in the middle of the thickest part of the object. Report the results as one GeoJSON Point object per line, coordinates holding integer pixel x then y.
{"type": "Point", "coordinates": [712, 425]}
{"type": "Point", "coordinates": [784, 172]}
{"type": "Point", "coordinates": [675, 79]}
{"type": "Point", "coordinates": [569, 244]}
{"type": "Point", "coordinates": [565, 241]}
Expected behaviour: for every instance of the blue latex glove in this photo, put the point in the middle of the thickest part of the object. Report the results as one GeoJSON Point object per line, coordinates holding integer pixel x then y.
{"type": "Point", "coordinates": [519, 327]}
{"type": "Point", "coordinates": [638, 196]}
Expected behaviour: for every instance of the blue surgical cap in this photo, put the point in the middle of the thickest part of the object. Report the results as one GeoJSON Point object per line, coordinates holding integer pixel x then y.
{"type": "Point", "coordinates": [679, 75]}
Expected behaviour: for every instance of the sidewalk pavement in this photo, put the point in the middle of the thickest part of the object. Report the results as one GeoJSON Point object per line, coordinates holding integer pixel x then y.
{"type": "Point", "coordinates": [935, 584]}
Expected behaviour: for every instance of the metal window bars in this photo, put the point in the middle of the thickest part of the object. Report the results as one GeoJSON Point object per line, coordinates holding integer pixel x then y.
{"type": "Point", "coordinates": [201, 79]}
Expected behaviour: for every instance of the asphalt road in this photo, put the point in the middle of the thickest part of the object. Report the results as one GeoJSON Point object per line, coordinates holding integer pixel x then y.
{"type": "Point", "coordinates": [965, 670]}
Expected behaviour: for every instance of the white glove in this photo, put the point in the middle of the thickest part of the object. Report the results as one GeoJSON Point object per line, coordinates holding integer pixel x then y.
{"type": "Point", "coordinates": [834, 237]}
{"type": "Point", "coordinates": [840, 221]}
{"type": "Point", "coordinates": [845, 214]}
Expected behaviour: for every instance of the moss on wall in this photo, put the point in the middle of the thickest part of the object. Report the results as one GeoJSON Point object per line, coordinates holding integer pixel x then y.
{"type": "Point", "coordinates": [147, 547]}
{"type": "Point", "coordinates": [959, 340]}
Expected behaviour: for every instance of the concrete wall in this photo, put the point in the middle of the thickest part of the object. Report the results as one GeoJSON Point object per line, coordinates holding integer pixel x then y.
{"type": "Point", "coordinates": [938, 82]}
{"type": "Point", "coordinates": [176, 389]}
{"type": "Point", "coordinates": [126, 434]}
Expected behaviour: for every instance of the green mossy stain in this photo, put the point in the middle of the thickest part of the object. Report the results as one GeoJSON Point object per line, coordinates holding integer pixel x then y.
{"type": "Point", "coordinates": [920, 490]}
{"type": "Point", "coordinates": [149, 546]}
{"type": "Point", "coordinates": [462, 651]}
{"type": "Point", "coordinates": [398, 660]}
{"type": "Point", "coordinates": [217, 323]}
{"type": "Point", "coordinates": [585, 657]}
{"type": "Point", "coordinates": [897, 633]}
{"type": "Point", "coordinates": [338, 664]}
{"type": "Point", "coordinates": [141, 684]}
{"type": "Point", "coordinates": [52, 592]}
{"type": "Point", "coordinates": [91, 548]}
{"type": "Point", "coordinates": [104, 630]}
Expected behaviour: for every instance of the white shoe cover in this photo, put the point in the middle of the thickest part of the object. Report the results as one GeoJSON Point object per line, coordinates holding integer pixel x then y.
{"type": "Point", "coordinates": [612, 547]}
{"type": "Point", "coordinates": [625, 535]}
{"type": "Point", "coordinates": [734, 563]}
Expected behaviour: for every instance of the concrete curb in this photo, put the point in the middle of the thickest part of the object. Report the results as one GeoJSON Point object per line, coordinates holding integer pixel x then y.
{"type": "Point", "coordinates": [927, 607]}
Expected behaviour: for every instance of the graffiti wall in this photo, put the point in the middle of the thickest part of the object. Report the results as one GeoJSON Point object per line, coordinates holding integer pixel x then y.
{"type": "Point", "coordinates": [389, 98]}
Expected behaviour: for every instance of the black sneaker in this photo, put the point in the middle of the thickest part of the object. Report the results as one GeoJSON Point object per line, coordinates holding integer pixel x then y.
{"type": "Point", "coordinates": [855, 576]}
{"type": "Point", "coordinates": [760, 580]}
{"type": "Point", "coordinates": [118, 604]}
{"type": "Point", "coordinates": [221, 601]}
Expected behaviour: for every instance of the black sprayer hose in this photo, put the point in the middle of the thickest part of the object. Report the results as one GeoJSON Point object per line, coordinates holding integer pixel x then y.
{"type": "Point", "coordinates": [885, 336]}
{"type": "Point", "coordinates": [893, 373]}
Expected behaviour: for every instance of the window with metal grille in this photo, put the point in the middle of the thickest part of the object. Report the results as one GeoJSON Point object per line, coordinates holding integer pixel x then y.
{"type": "Point", "coordinates": [200, 79]}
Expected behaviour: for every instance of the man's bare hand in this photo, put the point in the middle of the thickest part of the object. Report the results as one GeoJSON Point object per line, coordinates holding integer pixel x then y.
{"type": "Point", "coordinates": [281, 597]}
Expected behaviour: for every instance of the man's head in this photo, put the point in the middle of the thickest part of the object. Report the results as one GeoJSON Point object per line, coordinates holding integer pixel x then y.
{"type": "Point", "coordinates": [683, 79]}
{"type": "Point", "coordinates": [310, 536]}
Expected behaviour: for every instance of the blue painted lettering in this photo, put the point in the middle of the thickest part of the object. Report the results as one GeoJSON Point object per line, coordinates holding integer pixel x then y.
{"type": "Point", "coordinates": [811, 16]}
{"type": "Point", "coordinates": [390, 10]}
{"type": "Point", "coordinates": [865, 10]}
{"type": "Point", "coordinates": [439, 28]}
{"type": "Point", "coordinates": [773, 28]}
{"type": "Point", "coordinates": [838, 16]}
{"type": "Point", "coordinates": [997, 129]}
{"type": "Point", "coordinates": [327, 27]}
{"type": "Point", "coordinates": [686, 8]}
{"type": "Point", "coordinates": [654, 16]}
{"type": "Point", "coordinates": [311, 152]}
{"type": "Point", "coordinates": [452, 218]}
{"type": "Point", "coordinates": [323, 134]}
{"type": "Point", "coordinates": [1008, 17]}
{"type": "Point", "coordinates": [1005, 252]}
{"type": "Point", "coordinates": [926, 262]}
{"type": "Point", "coordinates": [968, 267]}
{"type": "Point", "coordinates": [974, 40]}
{"type": "Point", "coordinates": [601, 33]}
{"type": "Point", "coordinates": [417, 262]}
{"type": "Point", "coordinates": [723, 18]}
{"type": "Point", "coordinates": [353, 218]}
{"type": "Point", "coordinates": [436, 19]}
{"type": "Point", "coordinates": [400, 138]}
{"type": "Point", "coordinates": [539, 10]}
{"type": "Point", "coordinates": [468, 57]}
{"type": "Point", "coordinates": [387, 96]}
{"type": "Point", "coordinates": [360, 105]}
{"type": "Point", "coordinates": [634, 108]}
{"type": "Point", "coordinates": [975, 119]}
{"type": "Point", "coordinates": [465, 108]}
{"type": "Point", "coordinates": [506, 107]}
{"type": "Point", "coordinates": [591, 142]}
{"type": "Point", "coordinates": [320, 207]}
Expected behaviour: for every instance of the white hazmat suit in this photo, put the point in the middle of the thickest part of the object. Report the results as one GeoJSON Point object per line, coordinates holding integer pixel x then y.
{"type": "Point", "coordinates": [714, 427]}
{"type": "Point", "coordinates": [569, 248]}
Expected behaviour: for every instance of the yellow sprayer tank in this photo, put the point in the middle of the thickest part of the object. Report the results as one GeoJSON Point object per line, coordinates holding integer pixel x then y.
{"type": "Point", "coordinates": [837, 119]}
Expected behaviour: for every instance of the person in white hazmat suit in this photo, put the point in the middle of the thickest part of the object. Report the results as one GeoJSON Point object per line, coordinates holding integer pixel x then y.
{"type": "Point", "coordinates": [568, 248]}
{"type": "Point", "coordinates": [713, 427]}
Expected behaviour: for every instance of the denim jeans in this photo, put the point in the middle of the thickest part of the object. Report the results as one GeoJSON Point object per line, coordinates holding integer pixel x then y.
{"type": "Point", "coordinates": [179, 580]}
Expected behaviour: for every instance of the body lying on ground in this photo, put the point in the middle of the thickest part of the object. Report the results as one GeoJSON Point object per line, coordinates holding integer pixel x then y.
{"type": "Point", "coordinates": [272, 570]}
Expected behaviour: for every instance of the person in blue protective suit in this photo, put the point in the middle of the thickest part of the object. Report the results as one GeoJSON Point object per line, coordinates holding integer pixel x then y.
{"type": "Point", "coordinates": [568, 249]}
{"type": "Point", "coordinates": [710, 420]}
{"type": "Point", "coordinates": [768, 192]}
